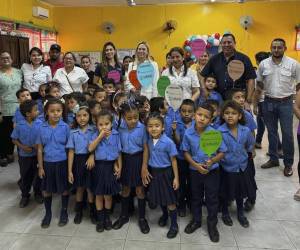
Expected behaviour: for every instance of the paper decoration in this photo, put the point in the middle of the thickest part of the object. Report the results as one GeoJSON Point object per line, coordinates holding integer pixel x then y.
{"type": "Point", "coordinates": [236, 69]}
{"type": "Point", "coordinates": [162, 83]}
{"type": "Point", "coordinates": [210, 141]}
{"type": "Point", "coordinates": [198, 47]}
{"type": "Point", "coordinates": [145, 74]}
{"type": "Point", "coordinates": [115, 75]}
{"type": "Point", "coordinates": [174, 96]}
{"type": "Point", "coordinates": [133, 79]}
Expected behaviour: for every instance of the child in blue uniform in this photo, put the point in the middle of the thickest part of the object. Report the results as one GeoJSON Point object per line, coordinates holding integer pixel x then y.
{"type": "Point", "coordinates": [53, 90]}
{"type": "Point", "coordinates": [22, 95]}
{"type": "Point", "coordinates": [106, 145]}
{"type": "Point", "coordinates": [79, 162]}
{"type": "Point", "coordinates": [52, 159]}
{"type": "Point", "coordinates": [134, 156]}
{"type": "Point", "coordinates": [210, 83]}
{"type": "Point", "coordinates": [187, 111]}
{"type": "Point", "coordinates": [162, 173]}
{"type": "Point", "coordinates": [204, 172]}
{"type": "Point", "coordinates": [95, 109]}
{"type": "Point", "coordinates": [24, 137]}
{"type": "Point", "coordinates": [238, 95]}
{"type": "Point", "coordinates": [160, 105]}
{"type": "Point", "coordinates": [41, 99]}
{"type": "Point", "coordinates": [216, 121]}
{"type": "Point", "coordinates": [237, 180]}
{"type": "Point", "coordinates": [73, 101]}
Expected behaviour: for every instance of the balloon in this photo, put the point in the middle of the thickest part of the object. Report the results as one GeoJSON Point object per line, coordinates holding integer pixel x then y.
{"type": "Point", "coordinates": [145, 74]}
{"type": "Point", "coordinates": [236, 69]}
{"type": "Point", "coordinates": [217, 35]}
{"type": "Point", "coordinates": [210, 40]}
{"type": "Point", "coordinates": [193, 57]}
{"type": "Point", "coordinates": [205, 37]}
{"type": "Point", "coordinates": [198, 47]}
{"type": "Point", "coordinates": [162, 84]}
{"type": "Point", "coordinates": [188, 48]}
{"type": "Point", "coordinates": [193, 38]}
{"type": "Point", "coordinates": [186, 43]}
{"type": "Point", "coordinates": [216, 42]}
{"type": "Point", "coordinates": [174, 96]}
{"type": "Point", "coordinates": [133, 79]}
{"type": "Point", "coordinates": [208, 45]}
{"type": "Point", "coordinates": [187, 54]}
{"type": "Point", "coordinates": [210, 141]}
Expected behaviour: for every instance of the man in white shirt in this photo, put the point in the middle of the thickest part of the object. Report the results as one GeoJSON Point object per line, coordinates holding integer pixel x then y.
{"type": "Point", "coordinates": [278, 76]}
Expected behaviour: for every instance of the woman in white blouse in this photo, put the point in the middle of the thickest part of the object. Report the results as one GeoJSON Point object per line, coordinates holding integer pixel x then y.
{"type": "Point", "coordinates": [71, 77]}
{"type": "Point", "coordinates": [35, 73]}
{"type": "Point", "coordinates": [181, 75]}
{"type": "Point", "coordinates": [142, 54]}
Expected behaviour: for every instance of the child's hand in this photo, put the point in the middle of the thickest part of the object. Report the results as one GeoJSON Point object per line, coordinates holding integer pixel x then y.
{"type": "Point", "coordinates": [102, 134]}
{"type": "Point", "coordinates": [90, 163]}
{"type": "Point", "coordinates": [208, 163]}
{"type": "Point", "coordinates": [117, 170]}
{"type": "Point", "coordinates": [71, 177]}
{"type": "Point", "coordinates": [175, 183]}
{"type": "Point", "coordinates": [107, 133]}
{"type": "Point", "coordinates": [201, 168]}
{"type": "Point", "coordinates": [146, 176]}
{"type": "Point", "coordinates": [174, 125]}
{"type": "Point", "coordinates": [27, 149]}
{"type": "Point", "coordinates": [41, 172]}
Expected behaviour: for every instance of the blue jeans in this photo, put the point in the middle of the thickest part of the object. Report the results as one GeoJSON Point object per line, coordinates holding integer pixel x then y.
{"type": "Point", "coordinates": [282, 111]}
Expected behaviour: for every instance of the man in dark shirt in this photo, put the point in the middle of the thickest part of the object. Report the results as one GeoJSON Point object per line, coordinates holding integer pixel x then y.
{"type": "Point", "coordinates": [54, 60]}
{"type": "Point", "coordinates": [217, 65]}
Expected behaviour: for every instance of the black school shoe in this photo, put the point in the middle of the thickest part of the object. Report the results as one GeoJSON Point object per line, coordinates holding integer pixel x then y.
{"type": "Point", "coordinates": [162, 222]}
{"type": "Point", "coordinates": [213, 233]}
{"type": "Point", "coordinates": [78, 217]}
{"type": "Point", "coordinates": [24, 202]}
{"type": "Point", "coordinates": [243, 221]}
{"type": "Point", "coordinates": [248, 205]}
{"type": "Point", "coordinates": [100, 226]}
{"type": "Point", "coordinates": [192, 227]}
{"type": "Point", "coordinates": [64, 219]}
{"type": "Point", "coordinates": [144, 226]}
{"type": "Point", "coordinates": [46, 221]}
{"type": "Point", "coordinates": [227, 220]}
{"type": "Point", "coordinates": [107, 224]}
{"type": "Point", "coordinates": [172, 233]}
{"type": "Point", "coordinates": [120, 222]}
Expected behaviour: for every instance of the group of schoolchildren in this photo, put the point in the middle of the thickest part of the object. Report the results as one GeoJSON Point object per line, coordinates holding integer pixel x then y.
{"type": "Point", "coordinates": [104, 143]}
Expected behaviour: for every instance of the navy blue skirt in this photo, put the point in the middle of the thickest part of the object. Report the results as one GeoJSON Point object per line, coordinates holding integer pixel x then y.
{"type": "Point", "coordinates": [103, 180]}
{"type": "Point", "coordinates": [56, 177]}
{"type": "Point", "coordinates": [161, 190]}
{"type": "Point", "coordinates": [237, 185]}
{"type": "Point", "coordinates": [131, 169]}
{"type": "Point", "coordinates": [80, 172]}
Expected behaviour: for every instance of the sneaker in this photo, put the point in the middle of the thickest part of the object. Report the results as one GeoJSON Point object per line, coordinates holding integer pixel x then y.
{"type": "Point", "coordinates": [24, 202]}
{"type": "Point", "coordinates": [288, 171]}
{"type": "Point", "coordinates": [192, 227]}
{"type": "Point", "coordinates": [144, 226]}
{"type": "Point", "coordinates": [258, 145]}
{"type": "Point", "coordinates": [270, 164]}
{"type": "Point", "coordinates": [297, 195]}
{"type": "Point", "coordinates": [38, 197]}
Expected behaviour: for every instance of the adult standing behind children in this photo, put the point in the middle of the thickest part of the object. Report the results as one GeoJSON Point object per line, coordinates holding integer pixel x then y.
{"type": "Point", "coordinates": [142, 55]}
{"type": "Point", "coordinates": [278, 76]}
{"type": "Point", "coordinates": [54, 61]}
{"type": "Point", "coordinates": [217, 65]}
{"type": "Point", "coordinates": [110, 67]}
{"type": "Point", "coordinates": [35, 73]}
{"type": "Point", "coordinates": [10, 82]}
{"type": "Point", "coordinates": [180, 74]}
{"type": "Point", "coordinates": [71, 77]}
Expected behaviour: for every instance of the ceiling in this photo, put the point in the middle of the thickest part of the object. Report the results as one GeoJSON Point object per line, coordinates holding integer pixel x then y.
{"type": "Point", "coordinates": [69, 3]}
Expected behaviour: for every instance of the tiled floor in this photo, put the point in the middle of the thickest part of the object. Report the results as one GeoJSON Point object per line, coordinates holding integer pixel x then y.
{"type": "Point", "coordinates": [274, 223]}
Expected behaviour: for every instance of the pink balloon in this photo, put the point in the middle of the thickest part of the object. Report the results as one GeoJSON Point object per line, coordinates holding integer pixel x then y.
{"type": "Point", "coordinates": [198, 47]}
{"type": "Point", "coordinates": [115, 75]}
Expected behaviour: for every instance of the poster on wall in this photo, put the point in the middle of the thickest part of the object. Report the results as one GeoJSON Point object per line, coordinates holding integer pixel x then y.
{"type": "Point", "coordinates": [125, 52]}
{"type": "Point", "coordinates": [47, 39]}
{"type": "Point", "coordinates": [94, 56]}
{"type": "Point", "coordinates": [6, 26]}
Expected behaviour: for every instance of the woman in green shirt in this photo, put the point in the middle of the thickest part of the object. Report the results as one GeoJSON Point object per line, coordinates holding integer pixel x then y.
{"type": "Point", "coordinates": [10, 83]}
